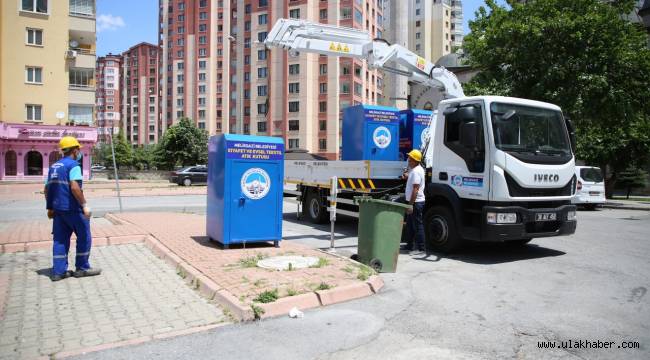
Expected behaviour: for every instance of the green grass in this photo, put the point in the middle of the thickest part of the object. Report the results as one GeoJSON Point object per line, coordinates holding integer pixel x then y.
{"type": "Point", "coordinates": [323, 286]}
{"type": "Point", "coordinates": [292, 292]}
{"type": "Point", "coordinates": [268, 296]}
{"type": "Point", "coordinates": [257, 311]}
{"type": "Point", "coordinates": [364, 272]}
{"type": "Point", "coordinates": [348, 269]}
{"type": "Point", "coordinates": [632, 198]}
{"type": "Point", "coordinates": [259, 282]}
{"type": "Point", "coordinates": [251, 261]}
{"type": "Point", "coordinates": [322, 262]}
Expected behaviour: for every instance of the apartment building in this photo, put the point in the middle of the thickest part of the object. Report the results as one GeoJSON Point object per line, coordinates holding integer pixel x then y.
{"type": "Point", "coordinates": [108, 96]}
{"type": "Point", "coordinates": [216, 70]}
{"type": "Point", "coordinates": [47, 83]}
{"type": "Point", "coordinates": [140, 112]}
{"type": "Point", "coordinates": [430, 28]}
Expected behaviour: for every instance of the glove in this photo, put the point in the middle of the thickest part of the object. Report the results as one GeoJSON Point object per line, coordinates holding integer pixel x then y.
{"type": "Point", "coordinates": [87, 212]}
{"type": "Point", "coordinates": [50, 214]}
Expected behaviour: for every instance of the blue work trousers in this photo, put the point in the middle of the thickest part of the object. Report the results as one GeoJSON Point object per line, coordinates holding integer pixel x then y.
{"type": "Point", "coordinates": [65, 223]}
{"type": "Point", "coordinates": [414, 231]}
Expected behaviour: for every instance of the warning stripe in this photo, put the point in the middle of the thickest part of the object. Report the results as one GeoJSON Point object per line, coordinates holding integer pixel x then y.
{"type": "Point", "coordinates": [342, 183]}
{"type": "Point", "coordinates": [352, 184]}
{"type": "Point", "coordinates": [372, 185]}
{"type": "Point", "coordinates": [361, 184]}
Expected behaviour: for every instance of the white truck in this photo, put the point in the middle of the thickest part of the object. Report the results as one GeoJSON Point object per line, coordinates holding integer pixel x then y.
{"type": "Point", "coordinates": [498, 168]}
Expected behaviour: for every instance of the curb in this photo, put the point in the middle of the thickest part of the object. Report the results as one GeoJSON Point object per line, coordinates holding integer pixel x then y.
{"type": "Point", "coordinates": [47, 245]}
{"type": "Point", "coordinates": [626, 207]}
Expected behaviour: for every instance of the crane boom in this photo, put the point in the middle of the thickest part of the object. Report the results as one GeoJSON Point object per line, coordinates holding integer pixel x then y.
{"type": "Point", "coordinates": [305, 36]}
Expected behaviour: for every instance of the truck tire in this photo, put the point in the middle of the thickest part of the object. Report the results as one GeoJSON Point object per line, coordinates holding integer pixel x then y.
{"type": "Point", "coordinates": [314, 208]}
{"type": "Point", "coordinates": [440, 230]}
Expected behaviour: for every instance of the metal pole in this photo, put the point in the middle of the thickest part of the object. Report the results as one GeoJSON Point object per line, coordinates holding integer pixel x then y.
{"type": "Point", "coordinates": [117, 181]}
{"type": "Point", "coordinates": [334, 189]}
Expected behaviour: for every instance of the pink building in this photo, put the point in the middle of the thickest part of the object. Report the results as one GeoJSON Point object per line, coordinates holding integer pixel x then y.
{"type": "Point", "coordinates": [27, 151]}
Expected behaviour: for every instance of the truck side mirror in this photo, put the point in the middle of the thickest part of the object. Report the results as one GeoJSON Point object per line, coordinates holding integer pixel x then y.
{"type": "Point", "coordinates": [572, 134]}
{"type": "Point", "coordinates": [469, 134]}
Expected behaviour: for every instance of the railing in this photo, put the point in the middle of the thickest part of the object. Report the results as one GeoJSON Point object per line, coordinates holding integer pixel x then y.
{"type": "Point", "coordinates": [83, 51]}
{"type": "Point", "coordinates": [81, 86]}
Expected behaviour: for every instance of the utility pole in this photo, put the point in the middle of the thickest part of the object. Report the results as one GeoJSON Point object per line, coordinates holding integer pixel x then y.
{"type": "Point", "coordinates": [117, 181]}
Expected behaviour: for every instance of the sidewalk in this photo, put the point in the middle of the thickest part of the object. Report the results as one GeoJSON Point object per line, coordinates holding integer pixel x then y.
{"type": "Point", "coordinates": [627, 204]}
{"type": "Point", "coordinates": [161, 278]}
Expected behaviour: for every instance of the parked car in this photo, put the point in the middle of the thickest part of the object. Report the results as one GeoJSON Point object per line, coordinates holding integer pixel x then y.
{"type": "Point", "coordinates": [97, 167]}
{"type": "Point", "coordinates": [190, 175]}
{"type": "Point", "coordinates": [590, 188]}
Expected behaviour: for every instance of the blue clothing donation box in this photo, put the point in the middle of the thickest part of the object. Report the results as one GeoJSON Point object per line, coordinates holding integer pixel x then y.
{"type": "Point", "coordinates": [370, 133]}
{"type": "Point", "coordinates": [245, 183]}
{"type": "Point", "coordinates": [413, 130]}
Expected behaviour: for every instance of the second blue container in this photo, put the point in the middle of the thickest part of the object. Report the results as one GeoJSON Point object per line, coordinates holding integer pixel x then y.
{"type": "Point", "coordinates": [370, 133]}
{"type": "Point", "coordinates": [413, 129]}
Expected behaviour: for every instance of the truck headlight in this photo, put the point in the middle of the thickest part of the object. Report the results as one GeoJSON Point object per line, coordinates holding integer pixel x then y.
{"type": "Point", "coordinates": [571, 215]}
{"type": "Point", "coordinates": [501, 218]}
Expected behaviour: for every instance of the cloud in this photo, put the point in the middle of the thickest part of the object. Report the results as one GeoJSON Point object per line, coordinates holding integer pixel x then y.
{"type": "Point", "coordinates": [109, 22]}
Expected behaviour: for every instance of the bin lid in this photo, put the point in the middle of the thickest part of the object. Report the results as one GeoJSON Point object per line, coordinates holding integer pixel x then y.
{"type": "Point", "coordinates": [360, 199]}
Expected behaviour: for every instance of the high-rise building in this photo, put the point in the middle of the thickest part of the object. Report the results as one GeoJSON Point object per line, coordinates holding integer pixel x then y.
{"type": "Point", "coordinates": [140, 93]}
{"type": "Point", "coordinates": [108, 96]}
{"type": "Point", "coordinates": [396, 25]}
{"type": "Point", "coordinates": [430, 28]}
{"type": "Point", "coordinates": [217, 71]}
{"type": "Point", "coordinates": [47, 83]}
{"type": "Point", "coordinates": [457, 34]}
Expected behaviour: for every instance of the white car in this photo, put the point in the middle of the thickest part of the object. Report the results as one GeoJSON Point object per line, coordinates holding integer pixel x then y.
{"type": "Point", "coordinates": [590, 189]}
{"type": "Point", "coordinates": [97, 168]}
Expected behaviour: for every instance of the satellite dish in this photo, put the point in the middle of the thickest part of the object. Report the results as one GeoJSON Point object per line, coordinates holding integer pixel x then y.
{"type": "Point", "coordinates": [74, 43]}
{"type": "Point", "coordinates": [60, 115]}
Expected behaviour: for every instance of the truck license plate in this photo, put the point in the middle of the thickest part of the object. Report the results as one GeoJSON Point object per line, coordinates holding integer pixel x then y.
{"type": "Point", "coordinates": [545, 216]}
{"type": "Point", "coordinates": [594, 193]}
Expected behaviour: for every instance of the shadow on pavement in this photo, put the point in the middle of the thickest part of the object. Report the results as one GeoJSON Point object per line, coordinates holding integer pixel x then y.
{"type": "Point", "coordinates": [44, 272]}
{"type": "Point", "coordinates": [498, 253]}
{"type": "Point", "coordinates": [205, 241]}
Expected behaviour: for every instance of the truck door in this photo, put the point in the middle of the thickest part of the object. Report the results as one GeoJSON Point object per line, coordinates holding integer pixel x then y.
{"type": "Point", "coordinates": [464, 157]}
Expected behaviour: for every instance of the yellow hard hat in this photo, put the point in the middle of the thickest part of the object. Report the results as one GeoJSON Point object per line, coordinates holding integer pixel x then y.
{"type": "Point", "coordinates": [415, 155]}
{"type": "Point", "coordinates": [67, 142]}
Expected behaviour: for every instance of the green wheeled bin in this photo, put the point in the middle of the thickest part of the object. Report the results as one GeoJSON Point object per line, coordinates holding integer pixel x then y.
{"type": "Point", "coordinates": [380, 232]}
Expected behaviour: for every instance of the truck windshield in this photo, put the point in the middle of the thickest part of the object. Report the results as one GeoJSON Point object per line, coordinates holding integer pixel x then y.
{"type": "Point", "coordinates": [531, 132]}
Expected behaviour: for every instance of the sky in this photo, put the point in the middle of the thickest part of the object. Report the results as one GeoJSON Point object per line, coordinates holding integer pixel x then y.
{"type": "Point", "coordinates": [124, 23]}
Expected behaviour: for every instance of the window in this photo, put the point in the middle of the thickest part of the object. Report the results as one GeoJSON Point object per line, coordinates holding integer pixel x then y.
{"type": "Point", "coordinates": [262, 19]}
{"type": "Point", "coordinates": [247, 59]}
{"type": "Point", "coordinates": [357, 89]}
{"type": "Point", "coordinates": [322, 125]}
{"type": "Point", "coordinates": [294, 143]}
{"type": "Point", "coordinates": [247, 76]}
{"type": "Point", "coordinates": [261, 109]}
{"type": "Point", "coordinates": [201, 89]}
{"type": "Point", "coordinates": [180, 102]}
{"type": "Point", "coordinates": [203, 27]}
{"type": "Point", "coordinates": [201, 101]}
{"type": "Point", "coordinates": [247, 94]}
{"type": "Point", "coordinates": [322, 14]}
{"type": "Point", "coordinates": [202, 76]}
{"type": "Point", "coordinates": [34, 75]}
{"type": "Point", "coordinates": [322, 88]}
{"type": "Point", "coordinates": [417, 47]}
{"type": "Point", "coordinates": [417, 12]}
{"type": "Point", "coordinates": [261, 54]}
{"type": "Point", "coordinates": [180, 30]}
{"type": "Point", "coordinates": [262, 90]}
{"type": "Point", "coordinates": [203, 3]}
{"type": "Point", "coordinates": [345, 88]}
{"type": "Point", "coordinates": [346, 13]}
{"type": "Point", "coordinates": [180, 90]}
{"type": "Point", "coordinates": [294, 88]}
{"type": "Point", "coordinates": [294, 69]}
{"type": "Point", "coordinates": [203, 39]}
{"type": "Point", "coordinates": [294, 106]}
{"type": "Point", "coordinates": [261, 36]}
{"type": "Point", "coordinates": [34, 37]}
{"type": "Point", "coordinates": [262, 72]}
{"type": "Point", "coordinates": [202, 64]}
{"type": "Point", "coordinates": [11, 168]}
{"type": "Point", "coordinates": [417, 35]}
{"type": "Point", "coordinates": [81, 78]}
{"type": "Point", "coordinates": [247, 26]}
{"type": "Point", "coordinates": [82, 8]}
{"type": "Point", "coordinates": [345, 70]}
{"type": "Point", "coordinates": [294, 125]}
{"type": "Point", "coordinates": [34, 112]}
{"type": "Point", "coordinates": [294, 13]}
{"type": "Point", "coordinates": [454, 129]}
{"type": "Point", "coordinates": [34, 163]}
{"type": "Point", "coordinates": [180, 66]}
{"type": "Point", "coordinates": [78, 114]}
{"type": "Point", "coordinates": [263, 3]}
{"type": "Point", "coordinates": [181, 6]}
{"type": "Point", "coordinates": [180, 77]}
{"type": "Point", "coordinates": [38, 6]}
{"type": "Point", "coordinates": [261, 127]}
{"type": "Point", "coordinates": [203, 52]}
{"type": "Point", "coordinates": [358, 16]}
{"type": "Point", "coordinates": [181, 17]}
{"type": "Point", "coordinates": [322, 69]}
{"type": "Point", "coordinates": [322, 144]}
{"type": "Point", "coordinates": [203, 15]}
{"type": "Point", "coordinates": [247, 9]}
{"type": "Point", "coordinates": [322, 106]}
{"type": "Point", "coordinates": [247, 42]}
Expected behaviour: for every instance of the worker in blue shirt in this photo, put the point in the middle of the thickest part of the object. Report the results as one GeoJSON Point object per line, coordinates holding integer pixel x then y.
{"type": "Point", "coordinates": [66, 205]}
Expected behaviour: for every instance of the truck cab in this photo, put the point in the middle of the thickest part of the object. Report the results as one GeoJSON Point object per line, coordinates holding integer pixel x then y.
{"type": "Point", "coordinates": [499, 169]}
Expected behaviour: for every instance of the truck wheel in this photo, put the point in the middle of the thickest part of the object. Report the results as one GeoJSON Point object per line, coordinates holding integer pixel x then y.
{"type": "Point", "coordinates": [314, 208]}
{"type": "Point", "coordinates": [590, 207]}
{"type": "Point", "coordinates": [187, 182]}
{"type": "Point", "coordinates": [440, 230]}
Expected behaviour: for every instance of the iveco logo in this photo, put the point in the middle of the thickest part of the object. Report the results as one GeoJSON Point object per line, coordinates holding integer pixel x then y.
{"type": "Point", "coordinates": [547, 178]}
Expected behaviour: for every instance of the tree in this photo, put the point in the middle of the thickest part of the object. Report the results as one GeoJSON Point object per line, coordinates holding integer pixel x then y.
{"type": "Point", "coordinates": [632, 178]}
{"type": "Point", "coordinates": [123, 151]}
{"type": "Point", "coordinates": [143, 157]}
{"type": "Point", "coordinates": [579, 54]}
{"type": "Point", "coordinates": [183, 144]}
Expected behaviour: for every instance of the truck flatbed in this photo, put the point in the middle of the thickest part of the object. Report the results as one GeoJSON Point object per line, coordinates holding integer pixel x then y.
{"type": "Point", "coordinates": [355, 175]}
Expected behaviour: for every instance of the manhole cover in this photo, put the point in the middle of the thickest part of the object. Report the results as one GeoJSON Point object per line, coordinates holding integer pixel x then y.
{"type": "Point", "coordinates": [282, 262]}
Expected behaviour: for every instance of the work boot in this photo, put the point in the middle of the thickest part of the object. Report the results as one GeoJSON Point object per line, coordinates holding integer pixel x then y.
{"type": "Point", "coordinates": [61, 276]}
{"type": "Point", "coordinates": [87, 272]}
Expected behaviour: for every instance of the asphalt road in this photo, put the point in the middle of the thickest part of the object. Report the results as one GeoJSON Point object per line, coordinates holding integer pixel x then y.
{"type": "Point", "coordinates": [486, 303]}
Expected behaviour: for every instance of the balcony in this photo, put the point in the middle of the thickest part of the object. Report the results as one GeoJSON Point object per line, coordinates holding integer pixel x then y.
{"type": "Point", "coordinates": [81, 86]}
{"type": "Point", "coordinates": [82, 16]}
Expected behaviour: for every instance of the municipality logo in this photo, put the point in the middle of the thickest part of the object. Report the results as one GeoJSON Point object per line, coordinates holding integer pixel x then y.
{"type": "Point", "coordinates": [255, 183]}
{"type": "Point", "coordinates": [381, 137]}
{"type": "Point", "coordinates": [425, 135]}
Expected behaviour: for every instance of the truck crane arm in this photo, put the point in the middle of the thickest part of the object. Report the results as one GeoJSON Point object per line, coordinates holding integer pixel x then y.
{"type": "Point", "coordinates": [305, 36]}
